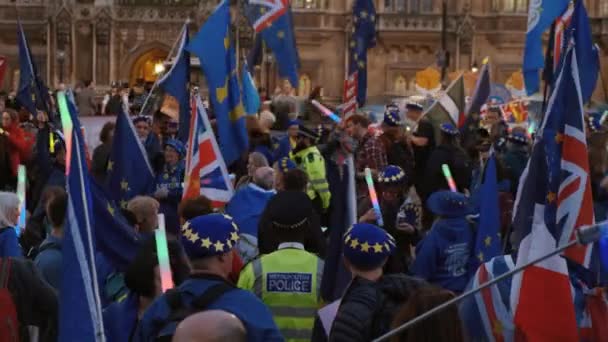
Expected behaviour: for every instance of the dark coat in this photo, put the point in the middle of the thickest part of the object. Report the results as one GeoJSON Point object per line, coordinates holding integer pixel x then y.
{"type": "Point", "coordinates": [459, 165]}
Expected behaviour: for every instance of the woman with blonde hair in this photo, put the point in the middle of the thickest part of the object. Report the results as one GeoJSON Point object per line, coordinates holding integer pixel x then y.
{"type": "Point", "coordinates": [9, 217]}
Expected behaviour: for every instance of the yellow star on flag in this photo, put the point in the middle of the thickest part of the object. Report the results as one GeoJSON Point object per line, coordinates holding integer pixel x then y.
{"type": "Point", "coordinates": [110, 209]}
{"type": "Point", "coordinates": [206, 243]}
{"type": "Point", "coordinates": [123, 204]}
{"type": "Point", "coordinates": [488, 241]}
{"type": "Point", "coordinates": [365, 247]}
{"type": "Point", "coordinates": [480, 256]}
{"type": "Point", "coordinates": [551, 197]}
{"type": "Point", "coordinates": [281, 34]}
{"type": "Point", "coordinates": [110, 165]}
{"type": "Point", "coordinates": [377, 248]}
{"type": "Point", "coordinates": [193, 237]}
{"type": "Point", "coordinates": [234, 236]}
{"type": "Point", "coordinates": [124, 185]}
{"type": "Point", "coordinates": [219, 246]}
{"type": "Point", "coordinates": [363, 14]}
{"type": "Point", "coordinates": [187, 233]}
{"type": "Point", "coordinates": [221, 93]}
{"type": "Point", "coordinates": [354, 243]}
{"type": "Point", "coordinates": [262, 10]}
{"type": "Point", "coordinates": [226, 42]}
{"type": "Point", "coordinates": [497, 328]}
{"type": "Point", "coordinates": [559, 138]}
{"type": "Point", "coordinates": [372, 17]}
{"type": "Point", "coordinates": [361, 65]}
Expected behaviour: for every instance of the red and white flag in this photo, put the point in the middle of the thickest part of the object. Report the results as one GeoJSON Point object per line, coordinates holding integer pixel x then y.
{"type": "Point", "coordinates": [350, 95]}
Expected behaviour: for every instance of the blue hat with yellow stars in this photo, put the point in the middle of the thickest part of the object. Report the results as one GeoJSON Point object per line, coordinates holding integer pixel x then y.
{"type": "Point", "coordinates": [285, 164]}
{"type": "Point", "coordinates": [177, 145]}
{"type": "Point", "coordinates": [367, 246]}
{"type": "Point", "coordinates": [449, 129]}
{"type": "Point", "coordinates": [209, 235]}
{"type": "Point", "coordinates": [391, 115]}
{"type": "Point", "coordinates": [410, 105]}
{"type": "Point", "coordinates": [294, 122]}
{"type": "Point", "coordinates": [391, 174]}
{"type": "Point", "coordinates": [519, 138]}
{"type": "Point", "coordinates": [141, 118]}
{"type": "Point", "coordinates": [594, 122]}
{"type": "Point", "coordinates": [446, 203]}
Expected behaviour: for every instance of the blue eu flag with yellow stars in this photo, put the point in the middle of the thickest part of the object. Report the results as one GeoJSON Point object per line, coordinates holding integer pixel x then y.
{"type": "Point", "coordinates": [32, 93]}
{"type": "Point", "coordinates": [213, 46]}
{"type": "Point", "coordinates": [487, 243]}
{"type": "Point", "coordinates": [129, 172]}
{"type": "Point", "coordinates": [363, 38]}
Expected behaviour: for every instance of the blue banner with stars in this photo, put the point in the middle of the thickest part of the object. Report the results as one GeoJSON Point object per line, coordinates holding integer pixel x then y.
{"type": "Point", "coordinates": [129, 172]}
{"type": "Point", "coordinates": [362, 39]}
{"type": "Point", "coordinates": [214, 48]}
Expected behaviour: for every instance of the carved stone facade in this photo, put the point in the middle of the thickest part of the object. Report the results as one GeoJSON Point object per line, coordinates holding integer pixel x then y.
{"type": "Point", "coordinates": [112, 40]}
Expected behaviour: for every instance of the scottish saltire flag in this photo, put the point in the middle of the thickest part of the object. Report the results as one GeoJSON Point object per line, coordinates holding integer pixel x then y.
{"type": "Point", "coordinates": [362, 39]}
{"type": "Point", "coordinates": [129, 172]}
{"type": "Point", "coordinates": [80, 317]}
{"type": "Point", "coordinates": [487, 242]}
{"type": "Point", "coordinates": [206, 172]}
{"type": "Point", "coordinates": [449, 107]}
{"type": "Point", "coordinates": [541, 15]}
{"type": "Point", "coordinates": [251, 98]}
{"type": "Point", "coordinates": [272, 20]}
{"type": "Point", "coordinates": [216, 52]}
{"type": "Point", "coordinates": [487, 315]}
{"type": "Point", "coordinates": [553, 200]}
{"type": "Point", "coordinates": [587, 53]}
{"type": "Point", "coordinates": [32, 93]}
{"type": "Point", "coordinates": [175, 83]}
{"type": "Point", "coordinates": [483, 89]}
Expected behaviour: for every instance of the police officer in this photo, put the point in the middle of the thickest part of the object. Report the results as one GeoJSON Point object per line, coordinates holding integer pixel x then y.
{"type": "Point", "coordinates": [209, 241]}
{"type": "Point", "coordinates": [169, 188]}
{"type": "Point", "coordinates": [308, 157]}
{"type": "Point", "coordinates": [288, 280]}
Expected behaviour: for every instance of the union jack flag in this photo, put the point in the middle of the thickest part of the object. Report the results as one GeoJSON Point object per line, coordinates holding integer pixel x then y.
{"type": "Point", "coordinates": [350, 94]}
{"type": "Point", "coordinates": [553, 201]}
{"type": "Point", "coordinates": [206, 172]}
{"type": "Point", "coordinates": [561, 25]}
{"type": "Point", "coordinates": [270, 10]}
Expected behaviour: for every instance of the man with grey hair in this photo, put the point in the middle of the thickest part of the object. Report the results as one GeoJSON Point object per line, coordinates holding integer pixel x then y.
{"type": "Point", "coordinates": [211, 326]}
{"type": "Point", "coordinates": [145, 211]}
{"type": "Point", "coordinates": [246, 207]}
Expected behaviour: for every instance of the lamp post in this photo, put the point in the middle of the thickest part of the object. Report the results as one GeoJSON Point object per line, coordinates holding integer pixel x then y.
{"type": "Point", "coordinates": [443, 57]}
{"type": "Point", "coordinates": [269, 60]}
{"type": "Point", "coordinates": [61, 61]}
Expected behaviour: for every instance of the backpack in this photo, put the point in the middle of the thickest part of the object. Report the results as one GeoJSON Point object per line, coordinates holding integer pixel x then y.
{"type": "Point", "coordinates": [178, 311]}
{"type": "Point", "coordinates": [33, 252]}
{"type": "Point", "coordinates": [9, 323]}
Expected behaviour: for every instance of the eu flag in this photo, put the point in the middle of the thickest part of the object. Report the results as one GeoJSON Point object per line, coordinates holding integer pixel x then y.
{"type": "Point", "coordinates": [80, 316]}
{"type": "Point", "coordinates": [540, 16]}
{"type": "Point", "coordinates": [175, 83]}
{"type": "Point", "coordinates": [363, 38]}
{"type": "Point", "coordinates": [482, 90]}
{"type": "Point", "coordinates": [129, 172]}
{"type": "Point", "coordinates": [272, 20]}
{"type": "Point", "coordinates": [251, 98]}
{"type": "Point", "coordinates": [487, 244]}
{"type": "Point", "coordinates": [32, 94]}
{"type": "Point", "coordinates": [213, 46]}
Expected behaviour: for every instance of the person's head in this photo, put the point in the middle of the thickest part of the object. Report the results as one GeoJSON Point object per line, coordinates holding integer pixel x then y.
{"type": "Point", "coordinates": [88, 83]}
{"type": "Point", "coordinates": [443, 326]}
{"type": "Point", "coordinates": [292, 128]}
{"type": "Point", "coordinates": [281, 167]}
{"type": "Point", "coordinates": [211, 326]}
{"type": "Point", "coordinates": [263, 92]}
{"type": "Point", "coordinates": [107, 133]}
{"type": "Point", "coordinates": [142, 126]}
{"type": "Point", "coordinates": [289, 214]}
{"type": "Point", "coordinates": [9, 118]}
{"type": "Point", "coordinates": [295, 180]}
{"type": "Point", "coordinates": [267, 120]}
{"type": "Point", "coordinates": [172, 127]}
{"type": "Point", "coordinates": [56, 207]}
{"type": "Point", "coordinates": [391, 181]}
{"type": "Point", "coordinates": [449, 134]}
{"type": "Point", "coordinates": [493, 116]}
{"type": "Point", "coordinates": [174, 151]}
{"type": "Point", "coordinates": [598, 156]}
{"type": "Point", "coordinates": [286, 88]}
{"type": "Point", "coordinates": [414, 111]}
{"type": "Point", "coordinates": [392, 118]}
{"type": "Point", "coordinates": [448, 204]}
{"type": "Point", "coordinates": [143, 276]}
{"type": "Point", "coordinates": [145, 209]}
{"type": "Point", "coordinates": [306, 137]}
{"type": "Point", "coordinates": [264, 177]}
{"type": "Point", "coordinates": [517, 141]}
{"type": "Point", "coordinates": [9, 209]}
{"type": "Point", "coordinates": [356, 126]}
{"type": "Point", "coordinates": [193, 207]}
{"type": "Point", "coordinates": [366, 249]}
{"type": "Point", "coordinates": [208, 241]}
{"type": "Point", "coordinates": [255, 161]}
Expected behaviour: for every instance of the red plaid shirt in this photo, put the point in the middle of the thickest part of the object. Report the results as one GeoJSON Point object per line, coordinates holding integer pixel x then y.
{"type": "Point", "coordinates": [370, 154]}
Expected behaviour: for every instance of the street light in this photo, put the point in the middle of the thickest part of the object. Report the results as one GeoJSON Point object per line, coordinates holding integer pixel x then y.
{"type": "Point", "coordinates": [474, 67]}
{"type": "Point", "coordinates": [159, 68]}
{"type": "Point", "coordinates": [61, 60]}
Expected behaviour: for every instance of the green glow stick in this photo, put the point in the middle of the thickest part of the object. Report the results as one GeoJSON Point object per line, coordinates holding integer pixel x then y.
{"type": "Point", "coordinates": [21, 194]}
{"type": "Point", "coordinates": [66, 123]}
{"type": "Point", "coordinates": [448, 177]}
{"type": "Point", "coordinates": [166, 280]}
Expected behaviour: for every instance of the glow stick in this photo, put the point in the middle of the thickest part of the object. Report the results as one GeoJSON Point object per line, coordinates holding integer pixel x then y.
{"type": "Point", "coordinates": [326, 111]}
{"type": "Point", "coordinates": [66, 123]}
{"type": "Point", "coordinates": [448, 177]}
{"type": "Point", "coordinates": [373, 196]}
{"type": "Point", "coordinates": [603, 118]}
{"type": "Point", "coordinates": [166, 279]}
{"type": "Point", "coordinates": [51, 142]}
{"type": "Point", "coordinates": [21, 194]}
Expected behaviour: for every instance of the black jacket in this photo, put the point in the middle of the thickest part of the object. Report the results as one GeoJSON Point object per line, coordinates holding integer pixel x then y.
{"type": "Point", "coordinates": [368, 308]}
{"type": "Point", "coordinates": [34, 299]}
{"type": "Point", "coordinates": [460, 169]}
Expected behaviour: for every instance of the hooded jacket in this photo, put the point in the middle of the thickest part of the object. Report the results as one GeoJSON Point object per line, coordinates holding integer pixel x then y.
{"type": "Point", "coordinates": [442, 257]}
{"type": "Point", "coordinates": [19, 150]}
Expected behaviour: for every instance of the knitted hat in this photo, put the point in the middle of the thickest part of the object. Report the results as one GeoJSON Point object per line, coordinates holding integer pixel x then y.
{"type": "Point", "coordinates": [449, 129]}
{"type": "Point", "coordinates": [413, 106]}
{"type": "Point", "coordinates": [295, 122]}
{"type": "Point", "coordinates": [209, 235]}
{"type": "Point", "coordinates": [518, 138]}
{"type": "Point", "coordinates": [289, 209]}
{"type": "Point", "coordinates": [141, 118]}
{"type": "Point", "coordinates": [177, 145]}
{"type": "Point", "coordinates": [285, 164]}
{"type": "Point", "coordinates": [449, 204]}
{"type": "Point", "coordinates": [366, 246]}
{"type": "Point", "coordinates": [391, 174]}
{"type": "Point", "coordinates": [391, 115]}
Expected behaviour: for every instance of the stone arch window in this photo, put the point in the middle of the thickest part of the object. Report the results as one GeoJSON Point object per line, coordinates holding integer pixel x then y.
{"type": "Point", "coordinates": [308, 4]}
{"type": "Point", "coordinates": [518, 6]}
{"type": "Point", "coordinates": [604, 8]}
{"type": "Point", "coordinates": [409, 6]}
{"type": "Point", "coordinates": [400, 85]}
{"type": "Point", "coordinates": [304, 86]}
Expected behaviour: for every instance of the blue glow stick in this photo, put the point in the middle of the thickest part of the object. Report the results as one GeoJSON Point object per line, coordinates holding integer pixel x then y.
{"type": "Point", "coordinates": [326, 111]}
{"type": "Point", "coordinates": [373, 196]}
{"type": "Point", "coordinates": [21, 194]}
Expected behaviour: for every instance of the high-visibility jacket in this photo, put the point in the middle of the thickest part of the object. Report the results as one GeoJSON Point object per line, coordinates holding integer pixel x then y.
{"type": "Point", "coordinates": [288, 281]}
{"type": "Point", "coordinates": [312, 162]}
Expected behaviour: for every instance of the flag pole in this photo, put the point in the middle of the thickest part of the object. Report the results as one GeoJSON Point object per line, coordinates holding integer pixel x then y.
{"type": "Point", "coordinates": [585, 236]}
{"type": "Point", "coordinates": [155, 85]}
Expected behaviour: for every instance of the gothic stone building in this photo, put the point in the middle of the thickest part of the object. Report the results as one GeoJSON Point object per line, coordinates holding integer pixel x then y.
{"type": "Point", "coordinates": [123, 40]}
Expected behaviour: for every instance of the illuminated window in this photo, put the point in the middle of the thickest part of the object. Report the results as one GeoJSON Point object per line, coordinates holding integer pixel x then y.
{"type": "Point", "coordinates": [400, 85]}
{"type": "Point", "coordinates": [519, 6]}
{"type": "Point", "coordinates": [304, 87]}
{"type": "Point", "coordinates": [308, 4]}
